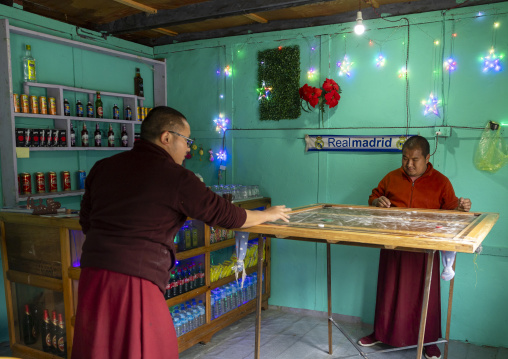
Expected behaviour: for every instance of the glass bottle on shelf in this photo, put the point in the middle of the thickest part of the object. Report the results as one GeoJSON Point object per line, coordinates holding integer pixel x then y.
{"type": "Point", "coordinates": [79, 109]}
{"type": "Point", "coordinates": [73, 136]}
{"type": "Point", "coordinates": [138, 84]}
{"type": "Point", "coordinates": [89, 109]}
{"type": "Point", "coordinates": [124, 137]}
{"type": "Point", "coordinates": [29, 73]}
{"type": "Point", "coordinates": [84, 136]}
{"type": "Point", "coordinates": [111, 136]}
{"type": "Point", "coordinates": [128, 113]}
{"type": "Point", "coordinates": [97, 136]}
{"type": "Point", "coordinates": [98, 106]}
{"type": "Point", "coordinates": [28, 327]}
{"type": "Point", "coordinates": [116, 112]}
{"type": "Point", "coordinates": [61, 338]}
{"type": "Point", "coordinates": [67, 107]}
{"type": "Point", "coordinates": [54, 327]}
{"type": "Point", "coordinates": [46, 333]}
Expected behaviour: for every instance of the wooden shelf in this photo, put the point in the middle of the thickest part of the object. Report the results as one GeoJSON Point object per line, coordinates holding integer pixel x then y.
{"type": "Point", "coordinates": [186, 296]}
{"type": "Point", "coordinates": [226, 280]}
{"type": "Point", "coordinates": [34, 280]}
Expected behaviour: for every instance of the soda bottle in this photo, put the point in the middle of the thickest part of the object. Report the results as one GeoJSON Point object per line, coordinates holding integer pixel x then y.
{"type": "Point", "coordinates": [79, 109]}
{"type": "Point", "coordinates": [116, 112]}
{"type": "Point", "coordinates": [180, 282]}
{"type": "Point", "coordinates": [29, 74]}
{"type": "Point", "coordinates": [98, 106]}
{"type": "Point", "coordinates": [195, 237]}
{"type": "Point", "coordinates": [167, 293]}
{"type": "Point", "coordinates": [73, 136]}
{"type": "Point", "coordinates": [61, 338]}
{"type": "Point", "coordinates": [97, 136]}
{"type": "Point", "coordinates": [192, 283]}
{"type": "Point", "coordinates": [89, 109]}
{"type": "Point", "coordinates": [84, 136]}
{"type": "Point", "coordinates": [54, 327]}
{"type": "Point", "coordinates": [125, 137]}
{"type": "Point", "coordinates": [201, 275]}
{"type": "Point", "coordinates": [111, 136]}
{"type": "Point", "coordinates": [28, 327]}
{"type": "Point", "coordinates": [172, 285]}
{"type": "Point", "coordinates": [67, 107]}
{"type": "Point", "coordinates": [138, 84]}
{"type": "Point", "coordinates": [185, 275]}
{"type": "Point", "coordinates": [46, 333]}
{"type": "Point", "coordinates": [128, 113]}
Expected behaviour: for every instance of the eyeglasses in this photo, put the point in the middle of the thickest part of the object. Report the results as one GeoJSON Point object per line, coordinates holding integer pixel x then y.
{"type": "Point", "coordinates": [190, 141]}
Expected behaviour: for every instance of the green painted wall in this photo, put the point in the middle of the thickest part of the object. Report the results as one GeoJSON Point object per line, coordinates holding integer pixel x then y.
{"type": "Point", "coordinates": [271, 154]}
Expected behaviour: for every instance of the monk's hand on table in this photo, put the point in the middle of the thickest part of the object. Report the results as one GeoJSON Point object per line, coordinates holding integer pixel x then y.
{"type": "Point", "coordinates": [278, 212]}
{"type": "Point", "coordinates": [464, 204]}
{"type": "Point", "coordinates": [382, 202]}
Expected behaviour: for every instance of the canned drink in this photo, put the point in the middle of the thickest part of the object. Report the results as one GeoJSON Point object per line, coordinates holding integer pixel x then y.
{"type": "Point", "coordinates": [53, 187]}
{"type": "Point", "coordinates": [28, 137]}
{"type": "Point", "coordinates": [81, 179]}
{"type": "Point", "coordinates": [145, 112]}
{"type": "Point", "coordinates": [34, 104]}
{"type": "Point", "coordinates": [25, 183]}
{"type": "Point", "coordinates": [36, 138]}
{"type": "Point", "coordinates": [20, 137]}
{"type": "Point", "coordinates": [66, 180]}
{"type": "Point", "coordinates": [43, 105]}
{"type": "Point", "coordinates": [52, 106]}
{"type": "Point", "coordinates": [55, 138]}
{"type": "Point", "coordinates": [62, 138]}
{"type": "Point", "coordinates": [24, 104]}
{"type": "Point", "coordinates": [40, 185]}
{"type": "Point", "coordinates": [42, 137]}
{"type": "Point", "coordinates": [17, 107]}
{"type": "Point", "coordinates": [139, 113]}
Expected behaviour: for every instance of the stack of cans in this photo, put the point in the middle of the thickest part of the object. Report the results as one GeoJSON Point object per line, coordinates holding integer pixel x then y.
{"type": "Point", "coordinates": [33, 137]}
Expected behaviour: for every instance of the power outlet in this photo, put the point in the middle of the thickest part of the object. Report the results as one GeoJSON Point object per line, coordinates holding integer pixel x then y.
{"type": "Point", "coordinates": [443, 131]}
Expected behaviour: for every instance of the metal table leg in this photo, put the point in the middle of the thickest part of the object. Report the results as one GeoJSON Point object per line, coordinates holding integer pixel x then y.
{"type": "Point", "coordinates": [425, 303]}
{"type": "Point", "coordinates": [449, 315]}
{"type": "Point", "coordinates": [329, 285]}
{"type": "Point", "coordinates": [261, 245]}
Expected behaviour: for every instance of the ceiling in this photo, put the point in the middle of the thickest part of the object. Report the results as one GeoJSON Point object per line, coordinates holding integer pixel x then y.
{"type": "Point", "coordinates": [159, 22]}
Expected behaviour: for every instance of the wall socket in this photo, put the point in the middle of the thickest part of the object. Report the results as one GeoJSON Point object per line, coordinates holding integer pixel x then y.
{"type": "Point", "coordinates": [443, 131]}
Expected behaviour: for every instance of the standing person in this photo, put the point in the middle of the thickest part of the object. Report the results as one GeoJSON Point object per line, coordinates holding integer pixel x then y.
{"type": "Point", "coordinates": [133, 206]}
{"type": "Point", "coordinates": [402, 274]}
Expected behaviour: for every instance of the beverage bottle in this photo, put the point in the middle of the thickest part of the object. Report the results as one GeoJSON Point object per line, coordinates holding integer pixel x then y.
{"type": "Point", "coordinates": [54, 327]}
{"type": "Point", "coordinates": [190, 320]}
{"type": "Point", "coordinates": [116, 112]}
{"type": "Point", "coordinates": [46, 333]}
{"type": "Point", "coordinates": [195, 315]}
{"type": "Point", "coordinates": [201, 275]}
{"type": "Point", "coordinates": [84, 136]}
{"type": "Point", "coordinates": [28, 327]}
{"type": "Point", "coordinates": [138, 84]}
{"type": "Point", "coordinates": [67, 107]}
{"type": "Point", "coordinates": [89, 109]}
{"type": "Point", "coordinates": [180, 282]}
{"type": "Point", "coordinates": [172, 285]}
{"type": "Point", "coordinates": [183, 321]}
{"type": "Point", "coordinates": [61, 338]}
{"type": "Point", "coordinates": [234, 296]}
{"type": "Point", "coordinates": [202, 312]}
{"type": "Point", "coordinates": [167, 292]}
{"type": "Point", "coordinates": [195, 237]}
{"type": "Point", "coordinates": [128, 113]}
{"type": "Point", "coordinates": [212, 306]}
{"type": "Point", "coordinates": [125, 137]}
{"type": "Point", "coordinates": [73, 136]}
{"type": "Point", "coordinates": [97, 136]}
{"type": "Point", "coordinates": [185, 274]}
{"type": "Point", "coordinates": [178, 326]}
{"type": "Point", "coordinates": [29, 74]}
{"type": "Point", "coordinates": [187, 238]}
{"type": "Point", "coordinates": [98, 106]}
{"type": "Point", "coordinates": [192, 281]}
{"type": "Point", "coordinates": [111, 136]}
{"type": "Point", "coordinates": [79, 109]}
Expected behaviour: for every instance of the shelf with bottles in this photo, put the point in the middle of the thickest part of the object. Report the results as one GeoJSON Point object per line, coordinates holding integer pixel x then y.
{"type": "Point", "coordinates": [189, 315]}
{"type": "Point", "coordinates": [39, 321]}
{"type": "Point", "coordinates": [187, 276]}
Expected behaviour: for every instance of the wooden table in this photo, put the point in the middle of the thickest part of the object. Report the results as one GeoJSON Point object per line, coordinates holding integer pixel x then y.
{"type": "Point", "coordinates": [406, 229]}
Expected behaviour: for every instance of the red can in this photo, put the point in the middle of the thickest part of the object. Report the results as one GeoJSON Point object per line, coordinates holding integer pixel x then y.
{"type": "Point", "coordinates": [66, 180]}
{"type": "Point", "coordinates": [40, 185]}
{"type": "Point", "coordinates": [17, 106]}
{"type": "Point", "coordinates": [43, 105]}
{"type": "Point", "coordinates": [34, 104]}
{"type": "Point", "coordinates": [24, 104]}
{"type": "Point", "coordinates": [52, 106]}
{"type": "Point", "coordinates": [25, 183]}
{"type": "Point", "coordinates": [52, 182]}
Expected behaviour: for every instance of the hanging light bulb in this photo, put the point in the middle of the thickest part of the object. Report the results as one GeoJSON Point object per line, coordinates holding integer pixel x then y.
{"type": "Point", "coordinates": [359, 27]}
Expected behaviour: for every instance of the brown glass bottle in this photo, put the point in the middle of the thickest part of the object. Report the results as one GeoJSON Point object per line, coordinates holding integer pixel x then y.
{"type": "Point", "coordinates": [124, 137]}
{"type": "Point", "coordinates": [46, 333]}
{"type": "Point", "coordinates": [28, 326]}
{"type": "Point", "coordinates": [98, 106]}
{"type": "Point", "coordinates": [61, 338]}
{"type": "Point", "coordinates": [138, 84]}
{"type": "Point", "coordinates": [111, 136]}
{"type": "Point", "coordinates": [54, 327]}
{"type": "Point", "coordinates": [84, 136]}
{"type": "Point", "coordinates": [97, 136]}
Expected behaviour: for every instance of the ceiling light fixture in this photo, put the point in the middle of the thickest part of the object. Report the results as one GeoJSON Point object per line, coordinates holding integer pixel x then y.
{"type": "Point", "coordinates": [359, 27]}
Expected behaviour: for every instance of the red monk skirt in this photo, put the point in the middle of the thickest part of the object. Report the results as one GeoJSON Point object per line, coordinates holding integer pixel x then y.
{"type": "Point", "coordinates": [121, 317]}
{"type": "Point", "coordinates": [401, 280]}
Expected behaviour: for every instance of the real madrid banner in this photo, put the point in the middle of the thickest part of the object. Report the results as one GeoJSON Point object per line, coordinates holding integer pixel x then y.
{"type": "Point", "coordinates": [355, 143]}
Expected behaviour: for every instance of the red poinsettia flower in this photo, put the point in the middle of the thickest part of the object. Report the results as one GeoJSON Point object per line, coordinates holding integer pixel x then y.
{"type": "Point", "coordinates": [330, 85]}
{"type": "Point", "coordinates": [332, 98]}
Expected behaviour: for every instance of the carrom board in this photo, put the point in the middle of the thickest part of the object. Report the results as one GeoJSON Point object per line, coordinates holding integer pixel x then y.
{"type": "Point", "coordinates": [392, 228]}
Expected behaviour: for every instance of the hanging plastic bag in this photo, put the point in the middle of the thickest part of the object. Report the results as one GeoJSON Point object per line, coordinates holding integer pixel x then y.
{"type": "Point", "coordinates": [492, 153]}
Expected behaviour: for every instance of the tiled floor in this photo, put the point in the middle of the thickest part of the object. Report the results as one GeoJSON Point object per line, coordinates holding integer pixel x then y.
{"type": "Point", "coordinates": [290, 335]}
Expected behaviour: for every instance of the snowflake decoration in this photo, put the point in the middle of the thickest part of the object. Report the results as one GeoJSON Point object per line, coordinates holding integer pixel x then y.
{"type": "Point", "coordinates": [492, 61]}
{"type": "Point", "coordinates": [345, 66]}
{"type": "Point", "coordinates": [221, 155]}
{"type": "Point", "coordinates": [450, 65]}
{"type": "Point", "coordinates": [221, 123]}
{"type": "Point", "coordinates": [380, 61]}
{"type": "Point", "coordinates": [431, 106]}
{"type": "Point", "coordinates": [264, 92]}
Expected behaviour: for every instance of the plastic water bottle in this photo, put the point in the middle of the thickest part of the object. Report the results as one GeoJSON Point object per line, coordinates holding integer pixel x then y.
{"type": "Point", "coordinates": [219, 304]}
{"type": "Point", "coordinates": [178, 326]}
{"type": "Point", "coordinates": [182, 320]}
{"type": "Point", "coordinates": [234, 296]}
{"type": "Point", "coordinates": [254, 285]}
{"type": "Point", "coordinates": [190, 320]}
{"type": "Point", "coordinates": [202, 312]}
{"type": "Point", "coordinates": [195, 314]}
{"type": "Point", "coordinates": [224, 301]}
{"type": "Point", "coordinates": [229, 298]}
{"type": "Point", "coordinates": [212, 305]}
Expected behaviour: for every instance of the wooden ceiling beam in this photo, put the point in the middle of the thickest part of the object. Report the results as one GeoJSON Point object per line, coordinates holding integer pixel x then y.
{"type": "Point", "coordinates": [213, 9]}
{"type": "Point", "coordinates": [137, 5]}
{"type": "Point", "coordinates": [165, 32]}
{"type": "Point", "coordinates": [256, 18]}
